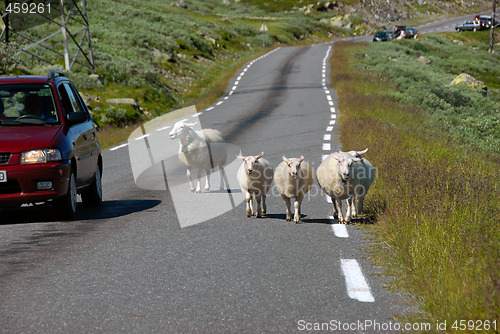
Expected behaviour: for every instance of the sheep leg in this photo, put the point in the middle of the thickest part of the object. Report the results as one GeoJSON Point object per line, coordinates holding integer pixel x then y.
{"type": "Point", "coordinates": [198, 184]}
{"type": "Point", "coordinates": [264, 206]}
{"type": "Point", "coordinates": [222, 177]}
{"type": "Point", "coordinates": [360, 208]}
{"type": "Point", "coordinates": [188, 174]}
{"type": "Point", "coordinates": [335, 211]}
{"type": "Point", "coordinates": [337, 207]}
{"type": "Point", "coordinates": [348, 212]}
{"type": "Point", "coordinates": [354, 207]}
{"type": "Point", "coordinates": [288, 212]}
{"type": "Point", "coordinates": [248, 198]}
{"type": "Point", "coordinates": [259, 208]}
{"type": "Point", "coordinates": [296, 204]}
{"type": "Point", "coordinates": [207, 185]}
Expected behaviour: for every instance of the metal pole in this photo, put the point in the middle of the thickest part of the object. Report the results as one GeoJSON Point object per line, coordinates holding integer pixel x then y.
{"type": "Point", "coordinates": [64, 35]}
{"type": "Point", "coordinates": [492, 27]}
{"type": "Point", "coordinates": [91, 56]}
{"type": "Point", "coordinates": [6, 23]}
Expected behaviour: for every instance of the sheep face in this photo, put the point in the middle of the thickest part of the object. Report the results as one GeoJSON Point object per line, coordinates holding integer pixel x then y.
{"type": "Point", "coordinates": [250, 162]}
{"type": "Point", "coordinates": [181, 130]}
{"type": "Point", "coordinates": [293, 165]}
{"type": "Point", "coordinates": [345, 163]}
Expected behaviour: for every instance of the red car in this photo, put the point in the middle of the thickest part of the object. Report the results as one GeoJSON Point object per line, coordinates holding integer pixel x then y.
{"type": "Point", "coordinates": [48, 144]}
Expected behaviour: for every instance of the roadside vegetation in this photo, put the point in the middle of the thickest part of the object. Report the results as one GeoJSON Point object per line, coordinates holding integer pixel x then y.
{"type": "Point", "coordinates": [435, 202]}
{"type": "Point", "coordinates": [169, 54]}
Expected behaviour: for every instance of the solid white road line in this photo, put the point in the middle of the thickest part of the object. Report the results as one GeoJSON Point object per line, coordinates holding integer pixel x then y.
{"type": "Point", "coordinates": [357, 287]}
{"type": "Point", "coordinates": [118, 147]}
{"type": "Point", "coordinates": [142, 137]}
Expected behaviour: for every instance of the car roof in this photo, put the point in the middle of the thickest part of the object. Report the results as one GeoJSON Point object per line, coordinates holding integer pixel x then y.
{"type": "Point", "coordinates": [28, 79]}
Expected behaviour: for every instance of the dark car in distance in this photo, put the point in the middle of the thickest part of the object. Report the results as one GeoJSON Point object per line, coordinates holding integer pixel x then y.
{"type": "Point", "coordinates": [49, 150]}
{"type": "Point", "coordinates": [485, 21]}
{"type": "Point", "coordinates": [468, 26]}
{"type": "Point", "coordinates": [383, 36]}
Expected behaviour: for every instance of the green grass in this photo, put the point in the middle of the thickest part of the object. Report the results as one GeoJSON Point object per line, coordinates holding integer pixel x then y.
{"type": "Point", "coordinates": [436, 200]}
{"type": "Point", "coordinates": [468, 116]}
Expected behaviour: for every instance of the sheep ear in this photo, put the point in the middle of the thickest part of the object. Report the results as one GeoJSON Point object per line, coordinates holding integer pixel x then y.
{"type": "Point", "coordinates": [301, 158]}
{"type": "Point", "coordinates": [357, 159]}
{"type": "Point", "coordinates": [240, 157]}
{"type": "Point", "coordinates": [285, 159]}
{"type": "Point", "coordinates": [260, 155]}
{"type": "Point", "coordinates": [336, 157]}
{"type": "Point", "coordinates": [362, 152]}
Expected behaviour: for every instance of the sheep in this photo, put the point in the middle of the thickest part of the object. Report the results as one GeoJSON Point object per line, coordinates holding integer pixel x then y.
{"type": "Point", "coordinates": [255, 176]}
{"type": "Point", "coordinates": [346, 176]}
{"type": "Point", "coordinates": [293, 179]}
{"type": "Point", "coordinates": [202, 150]}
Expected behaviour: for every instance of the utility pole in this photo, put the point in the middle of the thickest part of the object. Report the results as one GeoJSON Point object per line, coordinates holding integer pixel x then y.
{"type": "Point", "coordinates": [492, 27]}
{"type": "Point", "coordinates": [64, 36]}
{"type": "Point", "coordinates": [6, 23]}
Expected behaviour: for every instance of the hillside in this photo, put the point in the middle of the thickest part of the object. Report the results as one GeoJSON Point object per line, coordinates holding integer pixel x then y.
{"type": "Point", "coordinates": [166, 54]}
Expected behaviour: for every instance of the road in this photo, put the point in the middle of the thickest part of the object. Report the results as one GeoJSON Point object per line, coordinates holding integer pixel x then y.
{"type": "Point", "coordinates": [130, 266]}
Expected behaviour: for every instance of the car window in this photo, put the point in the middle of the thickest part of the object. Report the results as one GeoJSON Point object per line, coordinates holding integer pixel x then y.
{"type": "Point", "coordinates": [69, 99]}
{"type": "Point", "coordinates": [27, 104]}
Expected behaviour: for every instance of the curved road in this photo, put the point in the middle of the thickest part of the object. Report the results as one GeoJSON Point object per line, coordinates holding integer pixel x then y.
{"type": "Point", "coordinates": [130, 267]}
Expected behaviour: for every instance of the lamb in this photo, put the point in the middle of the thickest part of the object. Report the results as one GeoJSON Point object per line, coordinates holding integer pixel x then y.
{"type": "Point", "coordinates": [293, 179]}
{"type": "Point", "coordinates": [346, 176]}
{"type": "Point", "coordinates": [202, 150]}
{"type": "Point", "coordinates": [255, 176]}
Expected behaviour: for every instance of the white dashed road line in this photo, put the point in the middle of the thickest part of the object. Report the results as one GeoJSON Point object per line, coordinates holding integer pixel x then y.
{"type": "Point", "coordinates": [356, 284]}
{"type": "Point", "coordinates": [357, 287]}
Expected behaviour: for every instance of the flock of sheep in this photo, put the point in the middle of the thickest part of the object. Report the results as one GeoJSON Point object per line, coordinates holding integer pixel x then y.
{"type": "Point", "coordinates": [343, 176]}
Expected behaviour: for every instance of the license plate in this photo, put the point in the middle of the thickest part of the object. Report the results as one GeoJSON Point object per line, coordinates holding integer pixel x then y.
{"type": "Point", "coordinates": [3, 176]}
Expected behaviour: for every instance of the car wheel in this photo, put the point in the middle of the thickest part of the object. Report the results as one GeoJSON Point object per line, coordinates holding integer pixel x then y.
{"type": "Point", "coordinates": [66, 206]}
{"type": "Point", "coordinates": [92, 196]}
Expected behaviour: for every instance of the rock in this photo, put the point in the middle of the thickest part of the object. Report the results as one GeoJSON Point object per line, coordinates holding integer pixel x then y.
{"type": "Point", "coordinates": [469, 80]}
{"type": "Point", "coordinates": [457, 42]}
{"type": "Point", "coordinates": [161, 55]}
{"type": "Point", "coordinates": [423, 60]}
{"type": "Point", "coordinates": [128, 101]}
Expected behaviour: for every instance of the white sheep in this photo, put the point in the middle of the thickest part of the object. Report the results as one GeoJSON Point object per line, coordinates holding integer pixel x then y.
{"type": "Point", "coordinates": [255, 176]}
{"type": "Point", "coordinates": [293, 179]}
{"type": "Point", "coordinates": [202, 150]}
{"type": "Point", "coordinates": [346, 176]}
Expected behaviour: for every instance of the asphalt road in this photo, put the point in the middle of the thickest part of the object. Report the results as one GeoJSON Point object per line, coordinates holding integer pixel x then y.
{"type": "Point", "coordinates": [130, 267]}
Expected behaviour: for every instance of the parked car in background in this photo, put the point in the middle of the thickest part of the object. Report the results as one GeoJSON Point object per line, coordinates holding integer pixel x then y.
{"type": "Point", "coordinates": [404, 32]}
{"type": "Point", "coordinates": [383, 36]}
{"type": "Point", "coordinates": [49, 150]}
{"type": "Point", "coordinates": [410, 32]}
{"type": "Point", "coordinates": [485, 21]}
{"type": "Point", "coordinates": [468, 25]}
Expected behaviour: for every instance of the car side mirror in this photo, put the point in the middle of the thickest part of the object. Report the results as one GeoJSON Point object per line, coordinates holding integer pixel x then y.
{"type": "Point", "coordinates": [76, 117]}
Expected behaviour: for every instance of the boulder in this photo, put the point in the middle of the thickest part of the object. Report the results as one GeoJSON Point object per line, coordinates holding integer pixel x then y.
{"type": "Point", "coordinates": [423, 60]}
{"type": "Point", "coordinates": [469, 80]}
{"type": "Point", "coordinates": [122, 101]}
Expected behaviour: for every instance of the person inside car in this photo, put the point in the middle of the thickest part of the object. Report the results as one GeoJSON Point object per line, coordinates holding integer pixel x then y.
{"type": "Point", "coordinates": [33, 106]}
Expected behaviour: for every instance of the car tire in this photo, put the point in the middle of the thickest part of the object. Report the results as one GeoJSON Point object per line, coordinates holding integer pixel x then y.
{"type": "Point", "coordinates": [66, 206]}
{"type": "Point", "coordinates": [92, 196]}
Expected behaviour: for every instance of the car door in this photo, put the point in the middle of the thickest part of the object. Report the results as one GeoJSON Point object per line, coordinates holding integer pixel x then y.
{"type": "Point", "coordinates": [82, 135]}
